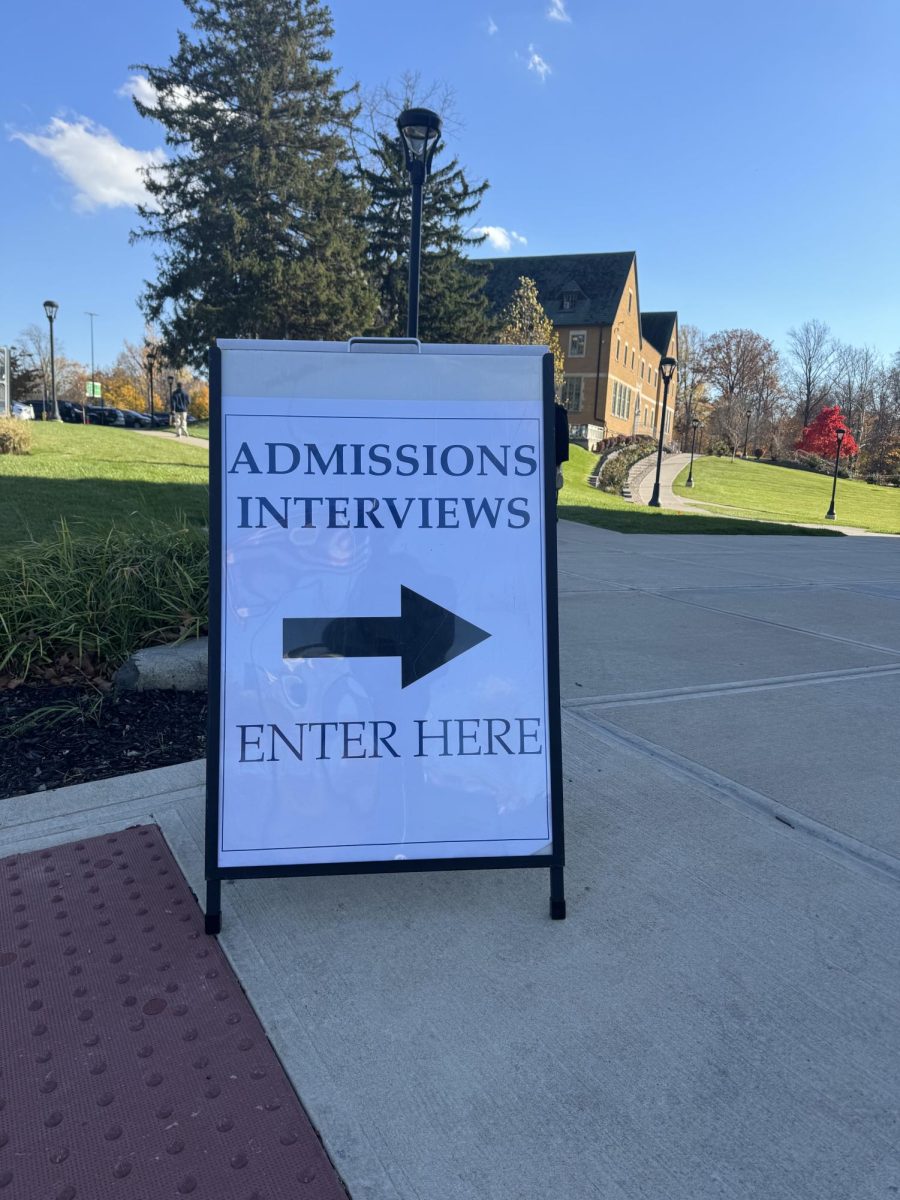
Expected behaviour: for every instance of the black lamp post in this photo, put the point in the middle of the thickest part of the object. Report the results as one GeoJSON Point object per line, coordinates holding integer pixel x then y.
{"type": "Point", "coordinates": [51, 308]}
{"type": "Point", "coordinates": [667, 370]}
{"type": "Point", "coordinates": [747, 432]}
{"type": "Point", "coordinates": [419, 132]}
{"type": "Point", "coordinates": [690, 478]}
{"type": "Point", "coordinates": [839, 434]}
{"type": "Point", "coordinates": [151, 366]}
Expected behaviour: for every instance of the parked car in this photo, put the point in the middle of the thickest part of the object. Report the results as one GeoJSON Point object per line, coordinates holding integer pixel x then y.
{"type": "Point", "coordinates": [71, 412]}
{"type": "Point", "coordinates": [104, 416]}
{"type": "Point", "coordinates": [21, 412]}
{"type": "Point", "coordinates": [135, 420]}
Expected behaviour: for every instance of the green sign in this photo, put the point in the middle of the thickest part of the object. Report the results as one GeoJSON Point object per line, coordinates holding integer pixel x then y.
{"type": "Point", "coordinates": [93, 390]}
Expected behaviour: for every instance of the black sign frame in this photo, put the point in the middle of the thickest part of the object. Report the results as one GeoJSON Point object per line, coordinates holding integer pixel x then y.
{"type": "Point", "coordinates": [214, 873]}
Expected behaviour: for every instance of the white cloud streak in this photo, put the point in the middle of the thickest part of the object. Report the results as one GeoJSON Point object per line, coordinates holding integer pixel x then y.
{"type": "Point", "coordinates": [502, 239]}
{"type": "Point", "coordinates": [557, 11]}
{"type": "Point", "coordinates": [103, 172]}
{"type": "Point", "coordinates": [492, 26]}
{"type": "Point", "coordinates": [537, 64]}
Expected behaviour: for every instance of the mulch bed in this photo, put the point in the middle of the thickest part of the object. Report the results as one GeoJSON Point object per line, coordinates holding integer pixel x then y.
{"type": "Point", "coordinates": [52, 736]}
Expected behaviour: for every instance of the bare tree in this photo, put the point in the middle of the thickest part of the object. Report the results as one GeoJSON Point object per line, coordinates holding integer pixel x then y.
{"type": "Point", "coordinates": [691, 381]}
{"type": "Point", "coordinates": [811, 349]}
{"type": "Point", "coordinates": [880, 456]}
{"type": "Point", "coordinates": [855, 370]}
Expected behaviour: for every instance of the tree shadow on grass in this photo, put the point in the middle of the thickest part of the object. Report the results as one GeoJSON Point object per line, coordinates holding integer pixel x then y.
{"type": "Point", "coordinates": [645, 520]}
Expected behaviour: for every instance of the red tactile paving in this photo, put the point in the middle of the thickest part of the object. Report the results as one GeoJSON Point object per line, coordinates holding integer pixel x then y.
{"type": "Point", "coordinates": [132, 1066]}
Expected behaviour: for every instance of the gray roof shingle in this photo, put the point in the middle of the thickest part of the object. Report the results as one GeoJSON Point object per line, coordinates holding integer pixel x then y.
{"type": "Point", "coordinates": [600, 278]}
{"type": "Point", "coordinates": [657, 328]}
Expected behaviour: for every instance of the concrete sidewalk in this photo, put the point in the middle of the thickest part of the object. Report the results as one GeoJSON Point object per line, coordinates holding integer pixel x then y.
{"type": "Point", "coordinates": [718, 1016]}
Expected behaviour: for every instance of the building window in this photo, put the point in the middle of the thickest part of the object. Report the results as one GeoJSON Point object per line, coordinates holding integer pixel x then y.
{"type": "Point", "coordinates": [668, 419]}
{"type": "Point", "coordinates": [621, 404]}
{"type": "Point", "coordinates": [629, 299]}
{"type": "Point", "coordinates": [618, 347]}
{"type": "Point", "coordinates": [642, 368]}
{"type": "Point", "coordinates": [625, 359]}
{"type": "Point", "coordinates": [576, 345]}
{"type": "Point", "coordinates": [656, 378]}
{"type": "Point", "coordinates": [572, 391]}
{"type": "Point", "coordinates": [569, 300]}
{"type": "Point", "coordinates": [632, 360]}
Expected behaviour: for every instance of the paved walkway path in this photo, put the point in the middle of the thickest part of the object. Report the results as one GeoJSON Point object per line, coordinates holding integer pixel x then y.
{"type": "Point", "coordinates": [170, 436]}
{"type": "Point", "coordinates": [717, 1017]}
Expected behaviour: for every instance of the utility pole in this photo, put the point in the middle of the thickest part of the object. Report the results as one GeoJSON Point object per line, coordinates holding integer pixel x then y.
{"type": "Point", "coordinates": [93, 385]}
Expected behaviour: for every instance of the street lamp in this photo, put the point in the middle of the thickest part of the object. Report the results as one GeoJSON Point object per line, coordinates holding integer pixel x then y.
{"type": "Point", "coordinates": [419, 132]}
{"type": "Point", "coordinates": [84, 415]}
{"type": "Point", "coordinates": [51, 308]}
{"type": "Point", "coordinates": [747, 432]}
{"type": "Point", "coordinates": [839, 434]}
{"type": "Point", "coordinates": [667, 370]}
{"type": "Point", "coordinates": [171, 382]}
{"type": "Point", "coordinates": [690, 479]}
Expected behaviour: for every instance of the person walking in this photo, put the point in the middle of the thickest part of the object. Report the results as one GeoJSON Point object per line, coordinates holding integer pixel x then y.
{"type": "Point", "coordinates": [180, 404]}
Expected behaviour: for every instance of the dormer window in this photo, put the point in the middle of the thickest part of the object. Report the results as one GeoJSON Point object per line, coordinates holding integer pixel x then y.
{"type": "Point", "coordinates": [568, 301]}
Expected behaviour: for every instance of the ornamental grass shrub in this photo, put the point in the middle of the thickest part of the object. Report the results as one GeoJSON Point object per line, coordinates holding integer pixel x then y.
{"type": "Point", "coordinates": [15, 436]}
{"type": "Point", "coordinates": [613, 473]}
{"type": "Point", "coordinates": [75, 607]}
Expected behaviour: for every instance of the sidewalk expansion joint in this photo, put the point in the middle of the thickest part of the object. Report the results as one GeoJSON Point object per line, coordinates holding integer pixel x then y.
{"type": "Point", "coordinates": [702, 691]}
{"type": "Point", "coordinates": [823, 839]}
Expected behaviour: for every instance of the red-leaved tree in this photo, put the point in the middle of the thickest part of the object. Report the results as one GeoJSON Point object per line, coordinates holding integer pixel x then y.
{"type": "Point", "coordinates": [821, 436]}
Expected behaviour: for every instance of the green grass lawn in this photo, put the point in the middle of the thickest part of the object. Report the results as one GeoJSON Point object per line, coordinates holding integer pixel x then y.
{"type": "Point", "coordinates": [200, 430]}
{"type": "Point", "coordinates": [579, 501]}
{"type": "Point", "coordinates": [765, 491]}
{"type": "Point", "coordinates": [96, 477]}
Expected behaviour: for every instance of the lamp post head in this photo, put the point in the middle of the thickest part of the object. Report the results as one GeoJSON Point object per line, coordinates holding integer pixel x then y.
{"type": "Point", "coordinates": [51, 308]}
{"type": "Point", "coordinates": [839, 434]}
{"type": "Point", "coordinates": [695, 424]}
{"type": "Point", "coordinates": [667, 367]}
{"type": "Point", "coordinates": [170, 379]}
{"type": "Point", "coordinates": [419, 129]}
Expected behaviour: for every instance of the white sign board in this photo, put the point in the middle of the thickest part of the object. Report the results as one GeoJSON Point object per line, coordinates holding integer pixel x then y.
{"type": "Point", "coordinates": [380, 633]}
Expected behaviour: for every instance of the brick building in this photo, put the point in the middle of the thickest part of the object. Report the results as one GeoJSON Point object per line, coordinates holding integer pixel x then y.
{"type": "Point", "coordinates": [612, 349]}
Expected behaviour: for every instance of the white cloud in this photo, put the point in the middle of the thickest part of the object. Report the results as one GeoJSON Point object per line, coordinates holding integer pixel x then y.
{"type": "Point", "coordinates": [500, 238]}
{"type": "Point", "coordinates": [492, 26]}
{"type": "Point", "coordinates": [557, 11]}
{"type": "Point", "coordinates": [140, 88]}
{"type": "Point", "coordinates": [537, 64]}
{"type": "Point", "coordinates": [104, 173]}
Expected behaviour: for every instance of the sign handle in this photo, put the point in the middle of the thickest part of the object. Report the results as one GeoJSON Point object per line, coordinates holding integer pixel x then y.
{"type": "Point", "coordinates": [213, 918]}
{"type": "Point", "coordinates": [557, 895]}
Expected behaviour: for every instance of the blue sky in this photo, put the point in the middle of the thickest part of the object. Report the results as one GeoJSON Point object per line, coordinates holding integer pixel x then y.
{"type": "Point", "coordinates": [748, 153]}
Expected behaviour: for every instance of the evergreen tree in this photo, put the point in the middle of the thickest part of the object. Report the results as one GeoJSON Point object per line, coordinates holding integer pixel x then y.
{"type": "Point", "coordinates": [452, 303]}
{"type": "Point", "coordinates": [256, 214]}
{"type": "Point", "coordinates": [524, 323]}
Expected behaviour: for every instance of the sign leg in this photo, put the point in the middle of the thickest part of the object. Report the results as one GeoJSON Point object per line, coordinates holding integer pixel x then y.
{"type": "Point", "coordinates": [213, 920]}
{"type": "Point", "coordinates": [557, 895]}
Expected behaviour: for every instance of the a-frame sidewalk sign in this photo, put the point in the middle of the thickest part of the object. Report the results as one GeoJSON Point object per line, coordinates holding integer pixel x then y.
{"type": "Point", "coordinates": [384, 670]}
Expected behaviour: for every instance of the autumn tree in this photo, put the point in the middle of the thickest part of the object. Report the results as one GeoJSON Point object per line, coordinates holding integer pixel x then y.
{"type": "Point", "coordinates": [524, 323]}
{"type": "Point", "coordinates": [740, 369]}
{"type": "Point", "coordinates": [881, 449]}
{"type": "Point", "coordinates": [255, 213]}
{"type": "Point", "coordinates": [820, 437]}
